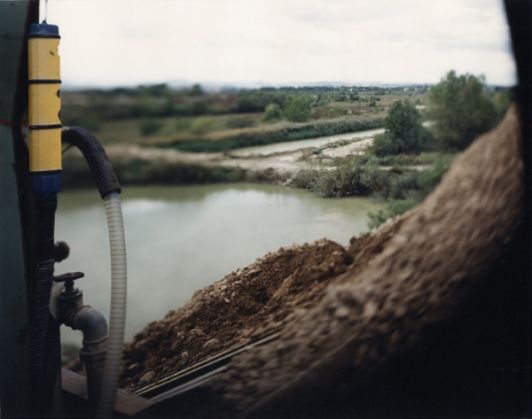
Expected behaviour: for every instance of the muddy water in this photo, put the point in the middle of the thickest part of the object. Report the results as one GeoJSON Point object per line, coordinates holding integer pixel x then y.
{"type": "Point", "coordinates": [185, 237]}
{"type": "Point", "coordinates": [310, 143]}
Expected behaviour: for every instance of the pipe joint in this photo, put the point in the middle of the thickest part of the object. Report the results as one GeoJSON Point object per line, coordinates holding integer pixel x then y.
{"type": "Point", "coordinates": [93, 325]}
{"type": "Point", "coordinates": [73, 313]}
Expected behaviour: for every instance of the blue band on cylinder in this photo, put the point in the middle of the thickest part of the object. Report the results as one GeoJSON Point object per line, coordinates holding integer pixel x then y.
{"type": "Point", "coordinates": [44, 30]}
{"type": "Point", "coordinates": [46, 184]}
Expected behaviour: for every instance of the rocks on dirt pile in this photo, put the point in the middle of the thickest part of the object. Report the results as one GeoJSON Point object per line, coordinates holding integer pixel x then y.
{"type": "Point", "coordinates": [244, 304]}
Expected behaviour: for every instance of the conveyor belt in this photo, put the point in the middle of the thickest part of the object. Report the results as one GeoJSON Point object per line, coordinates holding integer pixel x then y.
{"type": "Point", "coordinates": [199, 373]}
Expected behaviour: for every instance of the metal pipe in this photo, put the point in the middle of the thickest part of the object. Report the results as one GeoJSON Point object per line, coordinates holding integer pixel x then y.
{"type": "Point", "coordinates": [94, 328]}
{"type": "Point", "coordinates": [73, 313]}
{"type": "Point", "coordinates": [42, 277]}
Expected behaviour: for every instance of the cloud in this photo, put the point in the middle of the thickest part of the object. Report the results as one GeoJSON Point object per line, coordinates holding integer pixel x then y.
{"type": "Point", "coordinates": [109, 42]}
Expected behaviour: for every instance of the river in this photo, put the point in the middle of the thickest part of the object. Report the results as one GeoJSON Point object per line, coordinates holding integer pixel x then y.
{"type": "Point", "coordinates": [182, 238]}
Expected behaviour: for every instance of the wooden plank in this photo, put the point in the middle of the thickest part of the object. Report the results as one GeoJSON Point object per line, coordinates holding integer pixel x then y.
{"type": "Point", "coordinates": [127, 403]}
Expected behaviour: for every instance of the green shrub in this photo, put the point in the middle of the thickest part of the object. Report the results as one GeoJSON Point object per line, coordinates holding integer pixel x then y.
{"type": "Point", "coordinates": [241, 121]}
{"type": "Point", "coordinates": [428, 179]}
{"type": "Point", "coordinates": [182, 124]}
{"type": "Point", "coordinates": [272, 112]}
{"type": "Point", "coordinates": [305, 179]}
{"type": "Point", "coordinates": [202, 125]}
{"type": "Point", "coordinates": [359, 176]}
{"type": "Point", "coordinates": [409, 189]}
{"type": "Point", "coordinates": [384, 145]}
{"type": "Point", "coordinates": [149, 126]}
{"type": "Point", "coordinates": [393, 209]}
{"type": "Point", "coordinates": [85, 120]}
{"type": "Point", "coordinates": [297, 109]}
{"type": "Point", "coordinates": [404, 184]}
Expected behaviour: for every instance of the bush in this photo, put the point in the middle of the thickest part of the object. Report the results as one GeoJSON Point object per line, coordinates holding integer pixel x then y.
{"type": "Point", "coordinates": [182, 124]}
{"type": "Point", "coordinates": [85, 120]}
{"type": "Point", "coordinates": [384, 145]}
{"type": "Point", "coordinates": [297, 109]}
{"type": "Point", "coordinates": [393, 209]}
{"type": "Point", "coordinates": [202, 125]}
{"type": "Point", "coordinates": [428, 179]}
{"type": "Point", "coordinates": [403, 185]}
{"type": "Point", "coordinates": [305, 179]}
{"type": "Point", "coordinates": [359, 176]}
{"type": "Point", "coordinates": [272, 111]}
{"type": "Point", "coordinates": [149, 126]}
{"type": "Point", "coordinates": [240, 122]}
{"type": "Point", "coordinates": [409, 189]}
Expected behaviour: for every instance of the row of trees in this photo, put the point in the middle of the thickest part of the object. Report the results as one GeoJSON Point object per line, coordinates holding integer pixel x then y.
{"type": "Point", "coordinates": [459, 108]}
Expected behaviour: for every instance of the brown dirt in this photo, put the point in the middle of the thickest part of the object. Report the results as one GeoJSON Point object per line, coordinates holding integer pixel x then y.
{"type": "Point", "coordinates": [346, 309]}
{"type": "Point", "coordinates": [243, 304]}
{"type": "Point", "coordinates": [419, 271]}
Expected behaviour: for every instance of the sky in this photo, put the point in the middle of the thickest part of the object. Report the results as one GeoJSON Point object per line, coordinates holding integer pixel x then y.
{"type": "Point", "coordinates": [275, 42]}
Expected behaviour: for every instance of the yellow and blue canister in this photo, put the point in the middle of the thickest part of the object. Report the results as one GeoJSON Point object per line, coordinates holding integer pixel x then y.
{"type": "Point", "coordinates": [44, 105]}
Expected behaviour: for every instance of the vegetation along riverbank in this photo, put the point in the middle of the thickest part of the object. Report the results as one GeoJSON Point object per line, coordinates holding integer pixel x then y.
{"type": "Point", "coordinates": [156, 135]}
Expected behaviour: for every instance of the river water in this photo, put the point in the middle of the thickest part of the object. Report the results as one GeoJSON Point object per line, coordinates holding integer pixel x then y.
{"type": "Point", "coordinates": [182, 238]}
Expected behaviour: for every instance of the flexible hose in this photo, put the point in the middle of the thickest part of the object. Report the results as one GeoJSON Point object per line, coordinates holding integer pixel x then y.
{"type": "Point", "coordinates": [109, 187]}
{"type": "Point", "coordinates": [113, 360]}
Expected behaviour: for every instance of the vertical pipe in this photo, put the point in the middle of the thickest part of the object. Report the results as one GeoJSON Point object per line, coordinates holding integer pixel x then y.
{"type": "Point", "coordinates": [45, 168]}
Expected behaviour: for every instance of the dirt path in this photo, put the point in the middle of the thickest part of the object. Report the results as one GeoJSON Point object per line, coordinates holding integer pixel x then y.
{"type": "Point", "coordinates": [284, 164]}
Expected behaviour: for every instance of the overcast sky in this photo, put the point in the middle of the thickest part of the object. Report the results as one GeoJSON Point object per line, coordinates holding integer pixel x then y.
{"type": "Point", "coordinates": [126, 42]}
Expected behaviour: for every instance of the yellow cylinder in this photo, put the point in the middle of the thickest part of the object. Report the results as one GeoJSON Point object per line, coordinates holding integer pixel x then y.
{"type": "Point", "coordinates": [43, 58]}
{"type": "Point", "coordinates": [45, 150]}
{"type": "Point", "coordinates": [44, 102]}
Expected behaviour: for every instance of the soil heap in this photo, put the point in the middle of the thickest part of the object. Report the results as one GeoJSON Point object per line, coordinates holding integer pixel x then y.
{"type": "Point", "coordinates": [346, 314]}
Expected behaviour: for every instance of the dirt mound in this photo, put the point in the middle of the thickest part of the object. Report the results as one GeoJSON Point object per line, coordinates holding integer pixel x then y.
{"type": "Point", "coordinates": [245, 303]}
{"type": "Point", "coordinates": [346, 310]}
{"type": "Point", "coordinates": [414, 275]}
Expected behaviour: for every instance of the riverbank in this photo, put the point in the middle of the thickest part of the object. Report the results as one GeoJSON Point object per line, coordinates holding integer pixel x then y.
{"type": "Point", "coordinates": [331, 166]}
{"type": "Point", "coordinates": [277, 163]}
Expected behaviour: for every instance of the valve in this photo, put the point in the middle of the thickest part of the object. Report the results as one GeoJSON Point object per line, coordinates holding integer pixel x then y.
{"type": "Point", "coordinates": [68, 280]}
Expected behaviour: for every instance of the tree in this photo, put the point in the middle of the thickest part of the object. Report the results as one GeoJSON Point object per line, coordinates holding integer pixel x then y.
{"type": "Point", "coordinates": [297, 109]}
{"type": "Point", "coordinates": [404, 132]}
{"type": "Point", "coordinates": [196, 90]}
{"type": "Point", "coordinates": [461, 109]}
